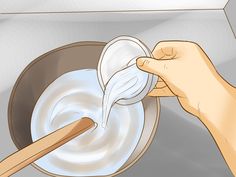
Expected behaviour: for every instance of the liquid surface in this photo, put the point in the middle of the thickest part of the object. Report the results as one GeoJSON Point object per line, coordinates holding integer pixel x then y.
{"type": "Point", "coordinates": [125, 84]}
{"type": "Point", "coordinates": [98, 152]}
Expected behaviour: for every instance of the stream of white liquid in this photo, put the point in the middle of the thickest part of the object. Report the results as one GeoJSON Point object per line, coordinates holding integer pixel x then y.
{"type": "Point", "coordinates": [124, 84]}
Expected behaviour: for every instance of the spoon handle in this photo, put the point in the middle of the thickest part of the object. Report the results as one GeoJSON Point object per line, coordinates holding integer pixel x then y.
{"type": "Point", "coordinates": [43, 146]}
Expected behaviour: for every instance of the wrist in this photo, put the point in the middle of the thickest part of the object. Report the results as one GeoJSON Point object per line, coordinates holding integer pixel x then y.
{"type": "Point", "coordinates": [217, 109]}
{"type": "Point", "coordinates": [218, 113]}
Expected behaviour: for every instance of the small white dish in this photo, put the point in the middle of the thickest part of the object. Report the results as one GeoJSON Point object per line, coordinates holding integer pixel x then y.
{"type": "Point", "coordinates": [117, 55]}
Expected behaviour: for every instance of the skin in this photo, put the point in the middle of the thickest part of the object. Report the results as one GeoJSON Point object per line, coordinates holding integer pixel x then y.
{"type": "Point", "coordinates": [186, 72]}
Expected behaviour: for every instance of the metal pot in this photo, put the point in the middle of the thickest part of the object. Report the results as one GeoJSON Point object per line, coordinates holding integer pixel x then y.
{"type": "Point", "coordinates": [44, 70]}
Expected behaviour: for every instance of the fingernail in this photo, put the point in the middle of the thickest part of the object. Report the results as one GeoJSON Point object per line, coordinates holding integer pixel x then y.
{"type": "Point", "coordinates": [140, 61]}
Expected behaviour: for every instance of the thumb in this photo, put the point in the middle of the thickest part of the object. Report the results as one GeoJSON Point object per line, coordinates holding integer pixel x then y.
{"type": "Point", "coordinates": [154, 66]}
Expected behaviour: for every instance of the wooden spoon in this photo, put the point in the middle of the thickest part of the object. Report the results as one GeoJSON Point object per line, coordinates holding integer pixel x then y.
{"type": "Point", "coordinates": [43, 146]}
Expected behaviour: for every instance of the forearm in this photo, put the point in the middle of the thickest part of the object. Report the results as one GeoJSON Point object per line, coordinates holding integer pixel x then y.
{"type": "Point", "coordinates": [218, 113]}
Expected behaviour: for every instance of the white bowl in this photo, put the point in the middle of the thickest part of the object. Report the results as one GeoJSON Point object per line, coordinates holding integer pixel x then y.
{"type": "Point", "coordinates": [117, 55]}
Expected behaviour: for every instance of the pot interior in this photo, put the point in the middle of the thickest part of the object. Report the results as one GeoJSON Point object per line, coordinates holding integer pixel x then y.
{"type": "Point", "coordinates": [48, 67]}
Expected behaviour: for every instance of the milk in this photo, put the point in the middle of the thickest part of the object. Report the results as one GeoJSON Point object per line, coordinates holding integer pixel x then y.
{"type": "Point", "coordinates": [125, 84]}
{"type": "Point", "coordinates": [98, 152]}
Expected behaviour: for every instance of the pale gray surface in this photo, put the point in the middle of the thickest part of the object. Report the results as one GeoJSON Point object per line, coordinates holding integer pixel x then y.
{"type": "Point", "coordinates": [182, 146]}
{"type": "Point", "coordinates": [230, 12]}
{"type": "Point", "coordinates": [29, 6]}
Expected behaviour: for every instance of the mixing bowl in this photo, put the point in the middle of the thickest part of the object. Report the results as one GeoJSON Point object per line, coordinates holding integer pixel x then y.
{"type": "Point", "coordinates": [44, 70]}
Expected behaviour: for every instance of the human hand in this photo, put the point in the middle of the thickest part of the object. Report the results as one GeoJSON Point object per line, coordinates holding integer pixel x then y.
{"type": "Point", "coordinates": [185, 71]}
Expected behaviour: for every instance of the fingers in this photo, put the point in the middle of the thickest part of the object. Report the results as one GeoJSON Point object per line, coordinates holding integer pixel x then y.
{"type": "Point", "coordinates": [173, 49]}
{"type": "Point", "coordinates": [157, 67]}
{"type": "Point", "coordinates": [160, 84]}
{"type": "Point", "coordinates": [165, 50]}
{"type": "Point", "coordinates": [161, 89]}
{"type": "Point", "coordinates": [164, 92]}
{"type": "Point", "coordinates": [164, 53]}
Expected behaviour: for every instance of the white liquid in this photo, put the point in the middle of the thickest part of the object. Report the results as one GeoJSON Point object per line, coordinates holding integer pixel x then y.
{"type": "Point", "coordinates": [98, 152]}
{"type": "Point", "coordinates": [124, 84]}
